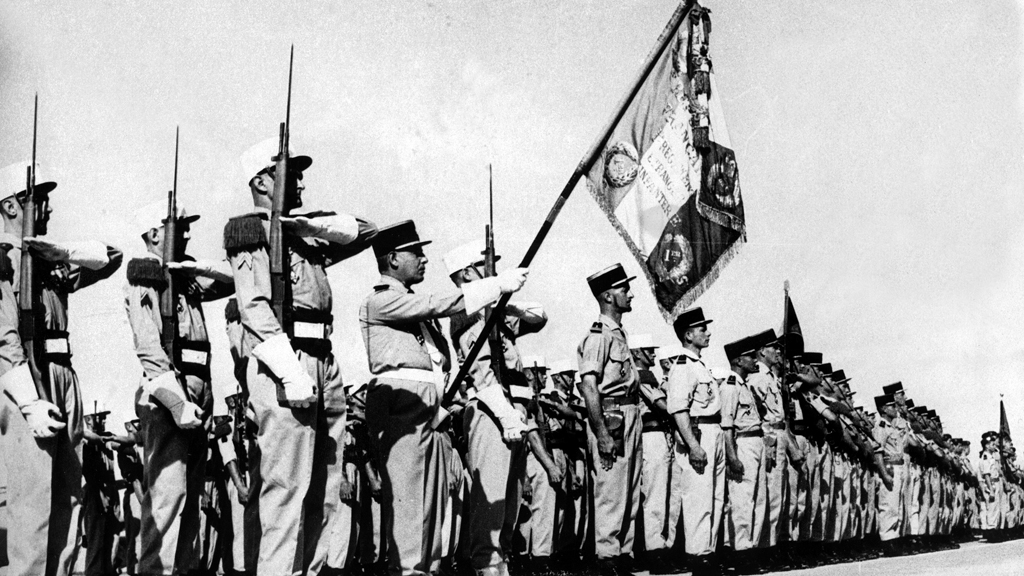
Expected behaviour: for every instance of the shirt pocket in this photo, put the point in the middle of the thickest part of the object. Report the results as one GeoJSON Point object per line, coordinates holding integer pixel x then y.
{"type": "Point", "coordinates": [618, 366]}
{"type": "Point", "coordinates": [702, 393]}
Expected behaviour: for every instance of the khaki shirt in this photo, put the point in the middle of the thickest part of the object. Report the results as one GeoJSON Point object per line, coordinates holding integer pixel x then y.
{"type": "Point", "coordinates": [891, 439]}
{"type": "Point", "coordinates": [691, 388]}
{"type": "Point", "coordinates": [768, 390]}
{"type": "Point", "coordinates": [142, 303]}
{"type": "Point", "coordinates": [394, 321]}
{"type": "Point", "coordinates": [310, 290]}
{"type": "Point", "coordinates": [739, 408]}
{"type": "Point", "coordinates": [531, 321]}
{"type": "Point", "coordinates": [12, 354]}
{"type": "Point", "coordinates": [604, 353]}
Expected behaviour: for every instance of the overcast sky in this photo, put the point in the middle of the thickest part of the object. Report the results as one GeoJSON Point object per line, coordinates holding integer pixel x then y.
{"type": "Point", "coordinates": [879, 147]}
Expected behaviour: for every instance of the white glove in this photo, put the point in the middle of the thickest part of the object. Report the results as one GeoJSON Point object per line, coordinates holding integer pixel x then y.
{"type": "Point", "coordinates": [89, 254]}
{"type": "Point", "coordinates": [512, 280]}
{"type": "Point", "coordinates": [513, 426]}
{"type": "Point", "coordinates": [219, 270]}
{"type": "Point", "coordinates": [277, 354]}
{"type": "Point", "coordinates": [39, 414]}
{"type": "Point", "coordinates": [168, 392]}
{"type": "Point", "coordinates": [337, 229]}
{"type": "Point", "coordinates": [486, 291]}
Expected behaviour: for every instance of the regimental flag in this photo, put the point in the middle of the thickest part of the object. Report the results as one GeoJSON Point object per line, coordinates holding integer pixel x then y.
{"type": "Point", "coordinates": [667, 177]}
{"type": "Point", "coordinates": [792, 336]}
{"type": "Point", "coordinates": [1004, 424]}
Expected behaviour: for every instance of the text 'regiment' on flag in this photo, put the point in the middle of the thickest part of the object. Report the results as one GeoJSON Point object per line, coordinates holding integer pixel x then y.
{"type": "Point", "coordinates": [667, 178]}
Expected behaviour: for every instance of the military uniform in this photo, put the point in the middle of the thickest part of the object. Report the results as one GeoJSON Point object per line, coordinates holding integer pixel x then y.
{"type": "Point", "coordinates": [747, 502]}
{"type": "Point", "coordinates": [409, 360]}
{"type": "Point", "coordinates": [890, 502]}
{"type": "Point", "coordinates": [174, 457]}
{"type": "Point", "coordinates": [496, 465]}
{"type": "Point", "coordinates": [302, 460]}
{"type": "Point", "coordinates": [604, 354]}
{"type": "Point", "coordinates": [692, 389]}
{"type": "Point", "coordinates": [659, 486]}
{"type": "Point", "coordinates": [768, 390]}
{"type": "Point", "coordinates": [43, 504]}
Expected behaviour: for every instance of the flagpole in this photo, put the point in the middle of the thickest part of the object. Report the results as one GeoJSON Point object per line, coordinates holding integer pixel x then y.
{"type": "Point", "coordinates": [667, 35]}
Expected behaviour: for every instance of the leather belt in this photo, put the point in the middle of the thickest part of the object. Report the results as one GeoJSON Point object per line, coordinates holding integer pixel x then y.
{"type": "Point", "coordinates": [310, 331]}
{"type": "Point", "coordinates": [777, 426]}
{"type": "Point", "coordinates": [654, 426]}
{"type": "Point", "coordinates": [751, 434]}
{"type": "Point", "coordinates": [894, 461]}
{"type": "Point", "coordinates": [415, 374]}
{"type": "Point", "coordinates": [614, 401]}
{"type": "Point", "coordinates": [716, 419]}
{"type": "Point", "coordinates": [194, 358]}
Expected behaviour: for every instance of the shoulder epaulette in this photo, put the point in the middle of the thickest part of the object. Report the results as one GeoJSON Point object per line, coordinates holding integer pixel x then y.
{"type": "Point", "coordinates": [381, 287]}
{"type": "Point", "coordinates": [231, 311]}
{"type": "Point", "coordinates": [145, 272]}
{"type": "Point", "coordinates": [244, 232]}
{"type": "Point", "coordinates": [597, 328]}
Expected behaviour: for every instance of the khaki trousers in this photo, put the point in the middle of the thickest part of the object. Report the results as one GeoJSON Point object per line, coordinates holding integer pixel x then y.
{"type": "Point", "coordinates": [890, 505]}
{"type": "Point", "coordinates": [398, 414]}
{"type": "Point", "coordinates": [661, 491]}
{"type": "Point", "coordinates": [44, 484]}
{"type": "Point", "coordinates": [300, 469]}
{"type": "Point", "coordinates": [615, 493]}
{"type": "Point", "coordinates": [747, 502]}
{"type": "Point", "coordinates": [704, 492]}
{"type": "Point", "coordinates": [497, 471]}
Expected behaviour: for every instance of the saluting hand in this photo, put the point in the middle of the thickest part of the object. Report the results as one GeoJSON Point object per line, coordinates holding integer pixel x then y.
{"type": "Point", "coordinates": [300, 226]}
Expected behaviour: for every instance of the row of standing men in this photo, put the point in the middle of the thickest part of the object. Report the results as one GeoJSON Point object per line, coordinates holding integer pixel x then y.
{"type": "Point", "coordinates": [714, 454]}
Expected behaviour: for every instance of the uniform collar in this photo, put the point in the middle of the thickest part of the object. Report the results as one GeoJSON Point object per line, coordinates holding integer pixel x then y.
{"type": "Point", "coordinates": [690, 354]}
{"type": "Point", "coordinates": [606, 321]}
{"type": "Point", "coordinates": [392, 283]}
{"type": "Point", "coordinates": [739, 379]}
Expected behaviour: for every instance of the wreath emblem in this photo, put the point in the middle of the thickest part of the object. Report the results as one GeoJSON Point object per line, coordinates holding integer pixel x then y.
{"type": "Point", "coordinates": [621, 164]}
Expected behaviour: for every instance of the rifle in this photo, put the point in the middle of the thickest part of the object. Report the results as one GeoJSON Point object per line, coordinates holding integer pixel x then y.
{"type": "Point", "coordinates": [169, 296]}
{"type": "Point", "coordinates": [30, 306]}
{"type": "Point", "coordinates": [279, 257]}
{"type": "Point", "coordinates": [236, 403]}
{"type": "Point", "coordinates": [494, 336]}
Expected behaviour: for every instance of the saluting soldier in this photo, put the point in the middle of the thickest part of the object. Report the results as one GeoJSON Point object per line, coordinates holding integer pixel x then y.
{"type": "Point", "coordinates": [409, 359]}
{"type": "Point", "coordinates": [175, 399]}
{"type": "Point", "coordinates": [695, 402]}
{"type": "Point", "coordinates": [610, 387]}
{"type": "Point", "coordinates": [744, 454]}
{"type": "Point", "coordinates": [45, 480]}
{"type": "Point", "coordinates": [494, 427]}
{"type": "Point", "coordinates": [295, 385]}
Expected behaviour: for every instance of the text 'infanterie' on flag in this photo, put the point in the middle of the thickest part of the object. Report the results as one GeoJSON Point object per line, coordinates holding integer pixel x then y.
{"type": "Point", "coordinates": [668, 179]}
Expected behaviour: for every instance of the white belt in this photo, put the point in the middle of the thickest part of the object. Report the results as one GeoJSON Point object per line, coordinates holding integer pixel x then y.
{"type": "Point", "coordinates": [311, 330]}
{"type": "Point", "coordinates": [416, 374]}
{"type": "Point", "coordinates": [57, 346]}
{"type": "Point", "coordinates": [194, 356]}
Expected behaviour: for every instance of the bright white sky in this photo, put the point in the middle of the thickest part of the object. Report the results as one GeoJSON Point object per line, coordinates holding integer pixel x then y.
{"type": "Point", "coordinates": [879, 146]}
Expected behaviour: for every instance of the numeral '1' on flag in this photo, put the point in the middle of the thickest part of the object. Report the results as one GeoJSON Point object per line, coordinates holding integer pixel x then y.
{"type": "Point", "coordinates": [667, 178]}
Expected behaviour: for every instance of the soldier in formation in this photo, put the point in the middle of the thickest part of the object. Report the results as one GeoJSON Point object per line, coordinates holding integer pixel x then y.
{"type": "Point", "coordinates": [634, 455]}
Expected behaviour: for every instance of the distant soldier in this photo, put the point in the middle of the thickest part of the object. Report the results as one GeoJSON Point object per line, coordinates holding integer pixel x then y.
{"type": "Point", "coordinates": [174, 400]}
{"type": "Point", "coordinates": [744, 454]}
{"type": "Point", "coordinates": [545, 472]}
{"type": "Point", "coordinates": [569, 440]}
{"type": "Point", "coordinates": [660, 489]}
{"type": "Point", "coordinates": [100, 505]}
{"type": "Point", "coordinates": [44, 465]}
{"type": "Point", "coordinates": [610, 387]}
{"type": "Point", "coordinates": [295, 386]}
{"type": "Point", "coordinates": [409, 359]}
{"type": "Point", "coordinates": [766, 385]}
{"type": "Point", "coordinates": [890, 496]}
{"type": "Point", "coordinates": [991, 473]}
{"type": "Point", "coordinates": [694, 400]}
